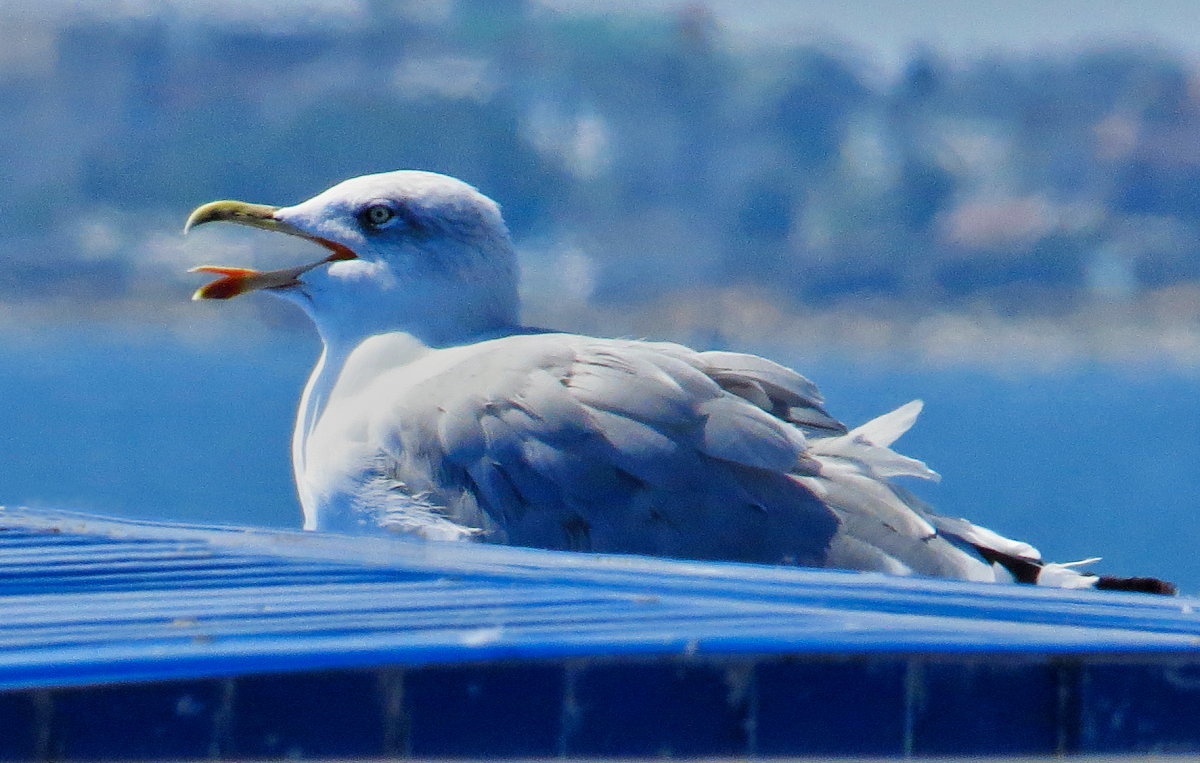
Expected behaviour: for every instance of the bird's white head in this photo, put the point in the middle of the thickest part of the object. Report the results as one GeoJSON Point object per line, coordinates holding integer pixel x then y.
{"type": "Point", "coordinates": [410, 251]}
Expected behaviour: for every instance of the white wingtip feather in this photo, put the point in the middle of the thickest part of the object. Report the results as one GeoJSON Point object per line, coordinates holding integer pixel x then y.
{"type": "Point", "coordinates": [884, 430]}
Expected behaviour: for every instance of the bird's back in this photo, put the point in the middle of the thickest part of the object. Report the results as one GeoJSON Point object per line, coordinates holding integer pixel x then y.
{"type": "Point", "coordinates": [570, 442]}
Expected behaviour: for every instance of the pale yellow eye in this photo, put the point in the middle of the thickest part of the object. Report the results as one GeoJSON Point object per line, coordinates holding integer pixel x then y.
{"type": "Point", "coordinates": [377, 214]}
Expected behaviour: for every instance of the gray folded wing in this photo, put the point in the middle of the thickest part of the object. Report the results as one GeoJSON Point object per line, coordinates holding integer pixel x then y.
{"type": "Point", "coordinates": [570, 442]}
{"type": "Point", "coordinates": [561, 441]}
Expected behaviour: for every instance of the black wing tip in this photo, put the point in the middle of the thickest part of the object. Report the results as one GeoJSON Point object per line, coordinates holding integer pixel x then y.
{"type": "Point", "coordinates": [1023, 570]}
{"type": "Point", "coordinates": [1027, 571]}
{"type": "Point", "coordinates": [1138, 585]}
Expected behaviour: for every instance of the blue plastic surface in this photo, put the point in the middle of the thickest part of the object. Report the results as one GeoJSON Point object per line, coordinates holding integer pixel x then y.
{"type": "Point", "coordinates": [137, 640]}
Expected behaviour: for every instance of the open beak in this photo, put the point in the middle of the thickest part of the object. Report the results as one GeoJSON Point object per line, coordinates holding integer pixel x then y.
{"type": "Point", "coordinates": [235, 281]}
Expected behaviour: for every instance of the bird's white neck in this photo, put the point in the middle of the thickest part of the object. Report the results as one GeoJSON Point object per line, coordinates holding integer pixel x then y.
{"type": "Point", "coordinates": [354, 300]}
{"type": "Point", "coordinates": [312, 403]}
{"type": "Point", "coordinates": [345, 366]}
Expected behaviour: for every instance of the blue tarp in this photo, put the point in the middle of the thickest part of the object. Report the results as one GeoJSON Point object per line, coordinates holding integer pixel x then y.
{"type": "Point", "coordinates": [568, 653]}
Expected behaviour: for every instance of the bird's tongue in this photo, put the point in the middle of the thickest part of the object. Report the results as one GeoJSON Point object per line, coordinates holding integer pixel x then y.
{"type": "Point", "coordinates": [235, 281]}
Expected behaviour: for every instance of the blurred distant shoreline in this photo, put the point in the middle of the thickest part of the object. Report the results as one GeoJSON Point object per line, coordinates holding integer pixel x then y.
{"type": "Point", "coordinates": [1160, 331]}
{"type": "Point", "coordinates": [665, 175]}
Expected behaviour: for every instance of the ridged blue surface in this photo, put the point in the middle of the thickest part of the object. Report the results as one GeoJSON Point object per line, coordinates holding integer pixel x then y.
{"type": "Point", "coordinates": [586, 655]}
{"type": "Point", "coordinates": [88, 599]}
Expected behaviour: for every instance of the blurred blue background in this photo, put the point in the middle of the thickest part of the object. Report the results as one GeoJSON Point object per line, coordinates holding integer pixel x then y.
{"type": "Point", "coordinates": [992, 207]}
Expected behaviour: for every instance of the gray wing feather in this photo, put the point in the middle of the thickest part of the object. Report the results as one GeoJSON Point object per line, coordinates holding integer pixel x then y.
{"type": "Point", "coordinates": [783, 380]}
{"type": "Point", "coordinates": [744, 434]}
{"type": "Point", "coordinates": [646, 453]}
{"type": "Point", "coordinates": [458, 430]}
{"type": "Point", "coordinates": [632, 386]}
{"type": "Point", "coordinates": [776, 389]}
{"type": "Point", "coordinates": [562, 441]}
{"type": "Point", "coordinates": [569, 442]}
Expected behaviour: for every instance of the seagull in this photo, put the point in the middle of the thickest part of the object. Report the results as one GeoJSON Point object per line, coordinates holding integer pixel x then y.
{"type": "Point", "coordinates": [435, 413]}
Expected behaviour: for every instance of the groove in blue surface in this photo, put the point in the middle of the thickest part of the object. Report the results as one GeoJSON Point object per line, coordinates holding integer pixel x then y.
{"type": "Point", "coordinates": [308, 715]}
{"type": "Point", "coordinates": [479, 711]}
{"type": "Point", "coordinates": [983, 707]}
{"type": "Point", "coordinates": [831, 707]}
{"type": "Point", "coordinates": [21, 726]}
{"type": "Point", "coordinates": [1140, 708]}
{"type": "Point", "coordinates": [658, 710]}
{"type": "Point", "coordinates": [156, 721]}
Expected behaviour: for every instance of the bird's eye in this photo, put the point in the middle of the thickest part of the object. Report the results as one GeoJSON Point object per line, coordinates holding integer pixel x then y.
{"type": "Point", "coordinates": [377, 214]}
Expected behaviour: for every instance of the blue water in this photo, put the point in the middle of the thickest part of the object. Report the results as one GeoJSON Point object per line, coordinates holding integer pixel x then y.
{"type": "Point", "coordinates": [150, 426]}
{"type": "Point", "coordinates": [1093, 461]}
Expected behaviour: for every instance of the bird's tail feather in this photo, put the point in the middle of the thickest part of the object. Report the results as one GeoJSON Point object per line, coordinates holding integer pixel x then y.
{"type": "Point", "coordinates": [884, 430]}
{"type": "Point", "coordinates": [1022, 563]}
{"type": "Point", "coordinates": [869, 447]}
